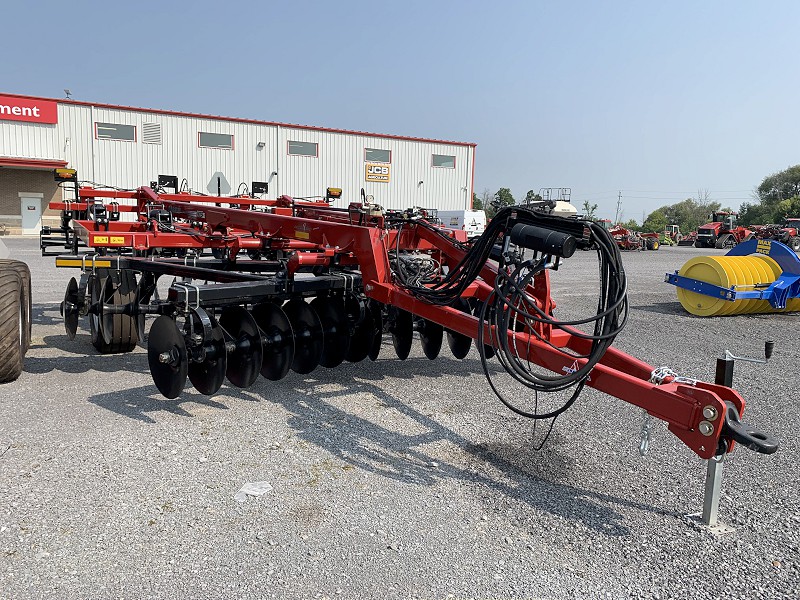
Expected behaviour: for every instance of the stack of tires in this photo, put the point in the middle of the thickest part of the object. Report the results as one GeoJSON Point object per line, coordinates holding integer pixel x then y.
{"type": "Point", "coordinates": [15, 317]}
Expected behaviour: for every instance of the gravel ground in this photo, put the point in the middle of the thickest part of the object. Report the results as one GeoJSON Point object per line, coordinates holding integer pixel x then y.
{"type": "Point", "coordinates": [390, 479]}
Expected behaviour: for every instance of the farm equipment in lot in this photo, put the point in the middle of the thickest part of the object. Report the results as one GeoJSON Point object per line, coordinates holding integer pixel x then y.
{"type": "Point", "coordinates": [787, 233]}
{"type": "Point", "coordinates": [626, 239]}
{"type": "Point", "coordinates": [757, 276]}
{"type": "Point", "coordinates": [721, 231]}
{"type": "Point", "coordinates": [650, 241]}
{"type": "Point", "coordinates": [347, 277]}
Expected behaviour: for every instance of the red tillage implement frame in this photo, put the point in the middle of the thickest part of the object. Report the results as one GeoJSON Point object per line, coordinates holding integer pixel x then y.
{"type": "Point", "coordinates": [335, 280]}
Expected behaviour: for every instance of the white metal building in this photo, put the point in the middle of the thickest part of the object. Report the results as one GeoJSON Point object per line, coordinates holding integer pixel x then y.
{"type": "Point", "coordinates": [128, 147]}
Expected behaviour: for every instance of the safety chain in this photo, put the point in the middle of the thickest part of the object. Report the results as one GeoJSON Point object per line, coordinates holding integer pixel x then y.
{"type": "Point", "coordinates": [657, 376]}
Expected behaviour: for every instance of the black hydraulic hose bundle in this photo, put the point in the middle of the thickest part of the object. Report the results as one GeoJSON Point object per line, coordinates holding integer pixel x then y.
{"type": "Point", "coordinates": [510, 305]}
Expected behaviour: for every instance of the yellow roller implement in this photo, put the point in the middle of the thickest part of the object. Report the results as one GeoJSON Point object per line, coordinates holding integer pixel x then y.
{"type": "Point", "coordinates": [745, 283]}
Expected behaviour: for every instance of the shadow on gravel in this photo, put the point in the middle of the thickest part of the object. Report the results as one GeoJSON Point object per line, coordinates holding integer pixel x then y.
{"type": "Point", "coordinates": [663, 308]}
{"type": "Point", "coordinates": [516, 471]}
{"type": "Point", "coordinates": [45, 314]}
{"type": "Point", "coordinates": [138, 402]}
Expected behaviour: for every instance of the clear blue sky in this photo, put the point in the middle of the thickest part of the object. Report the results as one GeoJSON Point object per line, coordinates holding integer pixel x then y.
{"type": "Point", "coordinates": [654, 99]}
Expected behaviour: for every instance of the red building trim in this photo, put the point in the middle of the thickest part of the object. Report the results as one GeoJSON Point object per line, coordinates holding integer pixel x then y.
{"type": "Point", "coordinates": [32, 163]}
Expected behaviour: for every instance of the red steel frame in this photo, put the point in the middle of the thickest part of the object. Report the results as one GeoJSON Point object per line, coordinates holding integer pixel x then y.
{"type": "Point", "coordinates": [330, 232]}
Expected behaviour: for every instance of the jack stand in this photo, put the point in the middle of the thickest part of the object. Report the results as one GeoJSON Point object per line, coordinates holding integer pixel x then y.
{"type": "Point", "coordinates": [710, 515]}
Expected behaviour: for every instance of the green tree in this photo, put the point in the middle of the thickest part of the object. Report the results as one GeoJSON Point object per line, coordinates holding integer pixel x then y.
{"type": "Point", "coordinates": [630, 224]}
{"type": "Point", "coordinates": [502, 198]}
{"type": "Point", "coordinates": [778, 197]}
{"type": "Point", "coordinates": [476, 202]}
{"type": "Point", "coordinates": [532, 196]}
{"type": "Point", "coordinates": [589, 210]}
{"type": "Point", "coordinates": [656, 221]}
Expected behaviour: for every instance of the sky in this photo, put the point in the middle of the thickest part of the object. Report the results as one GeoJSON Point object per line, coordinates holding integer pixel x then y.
{"type": "Point", "coordinates": [641, 103]}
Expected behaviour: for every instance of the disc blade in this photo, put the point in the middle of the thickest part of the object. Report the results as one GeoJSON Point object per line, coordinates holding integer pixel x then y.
{"type": "Point", "coordinates": [335, 332]}
{"type": "Point", "coordinates": [308, 340]}
{"type": "Point", "coordinates": [376, 310]}
{"type": "Point", "coordinates": [361, 328]}
{"type": "Point", "coordinates": [244, 363]}
{"type": "Point", "coordinates": [207, 375]}
{"type": "Point", "coordinates": [71, 308]}
{"type": "Point", "coordinates": [166, 355]}
{"type": "Point", "coordinates": [459, 343]}
{"type": "Point", "coordinates": [431, 334]}
{"type": "Point", "coordinates": [401, 327]}
{"type": "Point", "coordinates": [278, 340]}
{"type": "Point", "coordinates": [106, 318]}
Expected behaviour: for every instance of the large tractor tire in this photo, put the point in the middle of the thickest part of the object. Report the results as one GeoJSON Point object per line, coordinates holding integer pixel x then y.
{"type": "Point", "coordinates": [113, 333]}
{"type": "Point", "coordinates": [794, 243]}
{"type": "Point", "coordinates": [699, 244]}
{"type": "Point", "coordinates": [12, 324]}
{"type": "Point", "coordinates": [25, 275]}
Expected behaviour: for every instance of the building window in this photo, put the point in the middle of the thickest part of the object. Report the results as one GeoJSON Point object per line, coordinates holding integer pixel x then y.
{"type": "Point", "coordinates": [373, 155]}
{"type": "Point", "coordinates": [115, 131]}
{"type": "Point", "coordinates": [303, 149]}
{"type": "Point", "coordinates": [215, 140]}
{"type": "Point", "coordinates": [444, 161]}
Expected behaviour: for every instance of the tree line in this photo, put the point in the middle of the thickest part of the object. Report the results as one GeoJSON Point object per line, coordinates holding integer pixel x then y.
{"type": "Point", "coordinates": [776, 198]}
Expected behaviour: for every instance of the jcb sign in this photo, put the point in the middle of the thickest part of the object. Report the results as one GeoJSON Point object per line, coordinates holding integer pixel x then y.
{"type": "Point", "coordinates": [378, 173]}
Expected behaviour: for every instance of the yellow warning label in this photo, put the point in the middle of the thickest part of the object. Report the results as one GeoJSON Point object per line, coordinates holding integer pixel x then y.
{"type": "Point", "coordinates": [301, 235]}
{"type": "Point", "coordinates": [117, 239]}
{"type": "Point", "coordinates": [763, 246]}
{"type": "Point", "coordinates": [101, 239]}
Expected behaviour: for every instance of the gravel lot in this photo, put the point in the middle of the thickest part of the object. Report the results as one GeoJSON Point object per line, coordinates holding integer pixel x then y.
{"type": "Point", "coordinates": [390, 479]}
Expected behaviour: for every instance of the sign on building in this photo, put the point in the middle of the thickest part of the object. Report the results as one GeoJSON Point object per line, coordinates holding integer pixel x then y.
{"type": "Point", "coordinates": [380, 173]}
{"type": "Point", "coordinates": [25, 109]}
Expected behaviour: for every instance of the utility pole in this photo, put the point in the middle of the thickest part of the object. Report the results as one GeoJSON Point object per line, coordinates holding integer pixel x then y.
{"type": "Point", "coordinates": [619, 205]}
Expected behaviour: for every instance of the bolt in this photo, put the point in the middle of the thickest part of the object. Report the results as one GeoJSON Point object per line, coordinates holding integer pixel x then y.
{"type": "Point", "coordinates": [165, 357]}
{"type": "Point", "coordinates": [368, 287]}
{"type": "Point", "coordinates": [706, 428]}
{"type": "Point", "coordinates": [709, 412]}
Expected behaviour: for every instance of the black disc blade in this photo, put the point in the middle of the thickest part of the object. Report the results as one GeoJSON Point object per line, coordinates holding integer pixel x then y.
{"type": "Point", "coordinates": [431, 334]}
{"type": "Point", "coordinates": [106, 318]}
{"type": "Point", "coordinates": [278, 340]}
{"type": "Point", "coordinates": [335, 332]}
{"type": "Point", "coordinates": [166, 355]}
{"type": "Point", "coordinates": [402, 329]}
{"type": "Point", "coordinates": [361, 327]}
{"type": "Point", "coordinates": [71, 308]}
{"type": "Point", "coordinates": [459, 343]}
{"type": "Point", "coordinates": [376, 310]}
{"type": "Point", "coordinates": [476, 306]}
{"type": "Point", "coordinates": [244, 363]}
{"type": "Point", "coordinates": [207, 376]}
{"type": "Point", "coordinates": [308, 341]}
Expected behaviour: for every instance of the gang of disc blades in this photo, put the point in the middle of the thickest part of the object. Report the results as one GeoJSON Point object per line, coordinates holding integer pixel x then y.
{"type": "Point", "coordinates": [308, 341]}
{"type": "Point", "coordinates": [207, 376]}
{"type": "Point", "coordinates": [401, 326]}
{"type": "Point", "coordinates": [376, 310]}
{"type": "Point", "coordinates": [166, 355]}
{"type": "Point", "coordinates": [477, 306]}
{"type": "Point", "coordinates": [71, 308]}
{"type": "Point", "coordinates": [244, 363]}
{"type": "Point", "coordinates": [459, 343]}
{"type": "Point", "coordinates": [335, 332]}
{"type": "Point", "coordinates": [431, 335]}
{"type": "Point", "coordinates": [278, 340]}
{"type": "Point", "coordinates": [361, 326]}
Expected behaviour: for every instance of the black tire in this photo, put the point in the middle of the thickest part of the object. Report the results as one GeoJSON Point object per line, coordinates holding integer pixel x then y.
{"type": "Point", "coordinates": [25, 275]}
{"type": "Point", "coordinates": [121, 336]}
{"type": "Point", "coordinates": [699, 244]}
{"type": "Point", "coordinates": [12, 324]}
{"type": "Point", "coordinates": [794, 243]}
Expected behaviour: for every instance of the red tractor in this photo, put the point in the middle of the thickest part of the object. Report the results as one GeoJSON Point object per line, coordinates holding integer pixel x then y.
{"type": "Point", "coordinates": [721, 231]}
